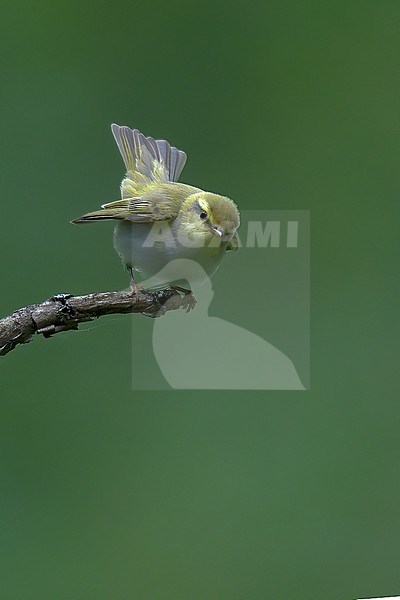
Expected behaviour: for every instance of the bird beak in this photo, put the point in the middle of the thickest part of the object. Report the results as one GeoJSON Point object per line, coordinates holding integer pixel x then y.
{"type": "Point", "coordinates": [217, 231]}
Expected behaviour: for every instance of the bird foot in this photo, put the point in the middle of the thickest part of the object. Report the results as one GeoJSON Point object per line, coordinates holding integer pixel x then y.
{"type": "Point", "coordinates": [188, 298]}
{"type": "Point", "coordinates": [135, 288]}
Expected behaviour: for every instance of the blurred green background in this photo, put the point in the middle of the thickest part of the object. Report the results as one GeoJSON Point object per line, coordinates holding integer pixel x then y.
{"type": "Point", "coordinates": [108, 493]}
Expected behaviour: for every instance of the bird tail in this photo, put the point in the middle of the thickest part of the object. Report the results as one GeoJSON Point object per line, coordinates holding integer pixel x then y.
{"type": "Point", "coordinates": [155, 160]}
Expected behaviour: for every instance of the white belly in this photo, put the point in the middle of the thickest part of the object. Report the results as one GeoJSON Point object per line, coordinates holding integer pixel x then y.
{"type": "Point", "coordinates": [148, 254]}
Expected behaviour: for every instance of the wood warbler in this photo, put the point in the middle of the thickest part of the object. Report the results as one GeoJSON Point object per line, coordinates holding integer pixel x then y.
{"type": "Point", "coordinates": [159, 219]}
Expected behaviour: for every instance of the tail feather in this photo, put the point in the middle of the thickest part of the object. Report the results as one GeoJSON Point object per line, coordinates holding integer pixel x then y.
{"type": "Point", "coordinates": [153, 159]}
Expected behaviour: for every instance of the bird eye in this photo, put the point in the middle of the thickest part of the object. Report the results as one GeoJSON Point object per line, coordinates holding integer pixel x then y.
{"type": "Point", "coordinates": [203, 214]}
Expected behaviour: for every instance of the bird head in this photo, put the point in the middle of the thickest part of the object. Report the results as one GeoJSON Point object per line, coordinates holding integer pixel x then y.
{"type": "Point", "coordinates": [209, 216]}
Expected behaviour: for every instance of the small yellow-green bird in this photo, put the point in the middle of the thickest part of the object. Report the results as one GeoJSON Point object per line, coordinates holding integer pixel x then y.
{"type": "Point", "coordinates": [159, 219]}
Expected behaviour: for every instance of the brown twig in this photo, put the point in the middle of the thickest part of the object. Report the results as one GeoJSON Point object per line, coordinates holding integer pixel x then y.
{"type": "Point", "coordinates": [63, 312]}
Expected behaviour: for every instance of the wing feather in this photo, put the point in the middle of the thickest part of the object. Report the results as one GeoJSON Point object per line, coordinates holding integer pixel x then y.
{"type": "Point", "coordinates": [148, 162]}
{"type": "Point", "coordinates": [141, 209]}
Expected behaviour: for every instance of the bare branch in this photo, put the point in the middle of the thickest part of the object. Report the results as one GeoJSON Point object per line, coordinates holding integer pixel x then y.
{"type": "Point", "coordinates": [63, 312]}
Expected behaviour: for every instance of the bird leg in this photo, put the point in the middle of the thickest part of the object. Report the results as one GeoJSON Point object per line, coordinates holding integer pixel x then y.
{"type": "Point", "coordinates": [135, 287]}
